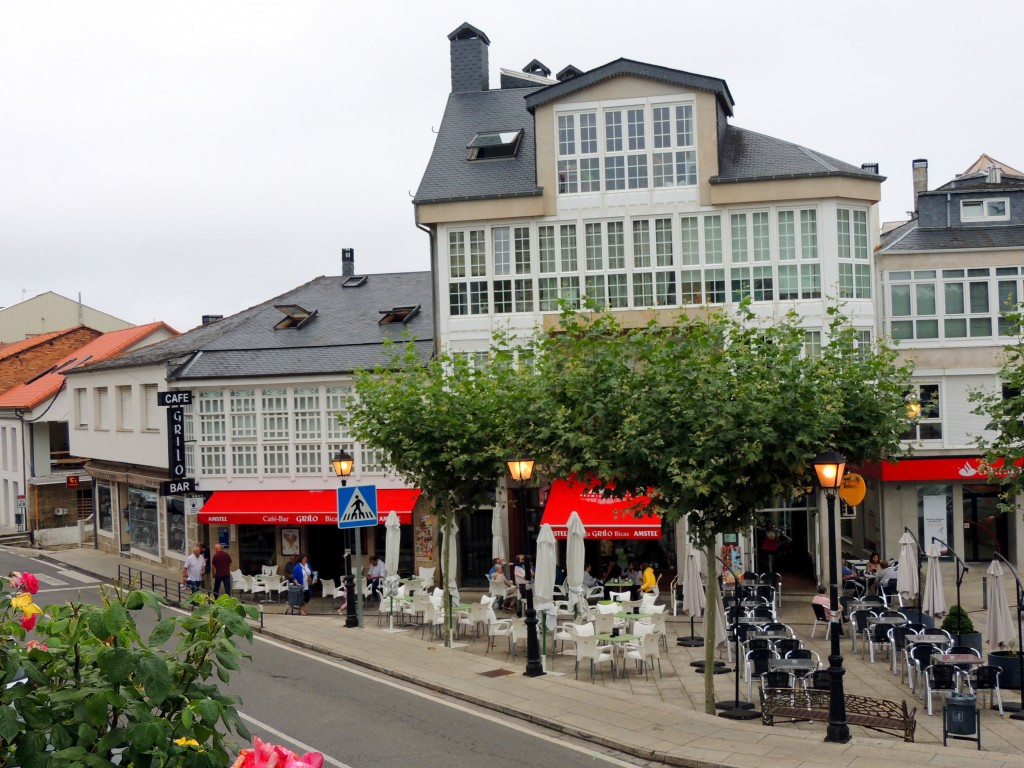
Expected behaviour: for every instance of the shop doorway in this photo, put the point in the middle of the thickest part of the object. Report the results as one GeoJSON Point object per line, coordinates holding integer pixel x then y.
{"type": "Point", "coordinates": [792, 555]}
{"type": "Point", "coordinates": [326, 545]}
{"type": "Point", "coordinates": [986, 527]}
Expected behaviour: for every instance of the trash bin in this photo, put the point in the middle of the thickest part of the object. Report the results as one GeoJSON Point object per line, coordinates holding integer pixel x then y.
{"type": "Point", "coordinates": [17, 520]}
{"type": "Point", "coordinates": [961, 711]}
{"type": "Point", "coordinates": [294, 598]}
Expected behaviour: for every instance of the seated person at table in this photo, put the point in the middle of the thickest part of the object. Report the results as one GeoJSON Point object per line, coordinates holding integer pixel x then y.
{"type": "Point", "coordinates": [633, 575]}
{"type": "Point", "coordinates": [874, 567]}
{"type": "Point", "coordinates": [589, 579]}
{"type": "Point", "coordinates": [648, 583]}
{"type": "Point", "coordinates": [497, 576]}
{"type": "Point", "coordinates": [611, 571]}
{"type": "Point", "coordinates": [289, 566]}
{"type": "Point", "coordinates": [377, 573]}
{"type": "Point", "coordinates": [497, 565]}
{"type": "Point", "coordinates": [850, 577]}
{"type": "Point", "coordinates": [823, 599]}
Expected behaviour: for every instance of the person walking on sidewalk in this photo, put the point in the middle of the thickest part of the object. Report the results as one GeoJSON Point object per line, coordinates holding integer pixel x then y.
{"type": "Point", "coordinates": [192, 571]}
{"type": "Point", "coordinates": [303, 576]}
{"type": "Point", "coordinates": [221, 570]}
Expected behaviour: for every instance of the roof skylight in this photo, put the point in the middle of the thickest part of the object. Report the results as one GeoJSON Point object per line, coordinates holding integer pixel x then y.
{"type": "Point", "coordinates": [294, 316]}
{"type": "Point", "coordinates": [492, 144]}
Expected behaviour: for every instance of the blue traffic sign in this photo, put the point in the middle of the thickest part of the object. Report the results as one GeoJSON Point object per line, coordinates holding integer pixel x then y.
{"type": "Point", "coordinates": [357, 506]}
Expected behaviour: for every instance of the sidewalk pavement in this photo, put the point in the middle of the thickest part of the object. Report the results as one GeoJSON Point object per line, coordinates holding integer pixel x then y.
{"type": "Point", "coordinates": [660, 719]}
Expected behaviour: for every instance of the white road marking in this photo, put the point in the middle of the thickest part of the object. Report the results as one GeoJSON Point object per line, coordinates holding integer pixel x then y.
{"type": "Point", "coordinates": [82, 577]}
{"type": "Point", "coordinates": [52, 581]}
{"type": "Point", "coordinates": [285, 737]}
{"type": "Point", "coordinates": [515, 726]}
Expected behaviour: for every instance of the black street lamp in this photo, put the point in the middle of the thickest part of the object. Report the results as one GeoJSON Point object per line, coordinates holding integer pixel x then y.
{"type": "Point", "coordinates": [521, 471]}
{"type": "Point", "coordinates": [830, 467]}
{"type": "Point", "coordinates": [342, 463]}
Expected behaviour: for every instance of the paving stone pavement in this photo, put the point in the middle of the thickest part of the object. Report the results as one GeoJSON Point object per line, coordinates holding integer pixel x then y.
{"type": "Point", "coordinates": [660, 718]}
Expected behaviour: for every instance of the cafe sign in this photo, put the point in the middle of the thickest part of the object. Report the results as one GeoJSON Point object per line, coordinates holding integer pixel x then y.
{"type": "Point", "coordinates": [853, 489]}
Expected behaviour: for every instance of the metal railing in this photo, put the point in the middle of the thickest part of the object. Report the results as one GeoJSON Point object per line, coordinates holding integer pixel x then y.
{"type": "Point", "coordinates": [173, 591]}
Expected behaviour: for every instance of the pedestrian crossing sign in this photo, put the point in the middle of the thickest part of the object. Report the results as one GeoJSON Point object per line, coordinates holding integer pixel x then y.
{"type": "Point", "coordinates": [357, 506]}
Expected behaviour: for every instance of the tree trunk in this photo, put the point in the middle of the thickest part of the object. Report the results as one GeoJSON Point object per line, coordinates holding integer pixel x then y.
{"type": "Point", "coordinates": [446, 601]}
{"type": "Point", "coordinates": [710, 611]}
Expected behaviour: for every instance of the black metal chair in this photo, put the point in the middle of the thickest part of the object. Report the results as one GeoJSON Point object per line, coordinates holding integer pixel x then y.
{"type": "Point", "coordinates": [821, 679]}
{"type": "Point", "coordinates": [918, 658]}
{"type": "Point", "coordinates": [897, 646]}
{"type": "Point", "coordinates": [787, 644]}
{"type": "Point", "coordinates": [763, 612]}
{"type": "Point", "coordinates": [986, 678]}
{"type": "Point", "coordinates": [757, 665]}
{"type": "Point", "coordinates": [876, 635]}
{"type": "Point", "coordinates": [964, 649]}
{"type": "Point", "coordinates": [859, 620]}
{"type": "Point", "coordinates": [939, 677]}
{"type": "Point", "coordinates": [776, 678]}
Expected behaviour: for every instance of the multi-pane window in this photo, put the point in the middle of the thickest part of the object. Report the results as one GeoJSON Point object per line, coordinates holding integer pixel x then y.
{"type": "Point", "coordinates": [309, 459]}
{"type": "Point", "coordinates": [243, 414]}
{"type": "Point", "coordinates": [275, 414]}
{"type": "Point", "coordinates": [618, 291]}
{"type": "Point", "coordinates": [372, 460]}
{"type": "Point", "coordinates": [502, 250]}
{"type": "Point", "coordinates": [467, 257]}
{"type": "Point", "coordinates": [338, 399]}
{"type": "Point", "coordinates": [211, 416]}
{"type": "Point", "coordinates": [546, 248]}
{"type": "Point", "coordinates": [673, 130]}
{"type": "Point", "coordinates": [522, 250]}
{"type": "Point", "coordinates": [567, 252]}
{"type": "Point", "coordinates": [801, 280]}
{"type": "Point", "coordinates": [568, 177]}
{"type": "Point", "coordinates": [953, 304]}
{"type": "Point", "coordinates": [812, 344]}
{"type": "Point", "coordinates": [276, 459]}
{"type": "Point", "coordinates": [928, 425]}
{"type": "Point", "coordinates": [592, 245]}
{"type": "Point", "coordinates": [307, 413]}
{"type": "Point", "coordinates": [243, 460]}
{"type": "Point", "coordinates": [212, 459]}
{"type": "Point", "coordinates": [594, 288]}
{"type": "Point", "coordinates": [991, 209]}
{"type": "Point", "coordinates": [852, 250]}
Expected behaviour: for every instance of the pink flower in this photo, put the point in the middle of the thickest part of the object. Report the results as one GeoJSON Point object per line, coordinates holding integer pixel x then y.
{"type": "Point", "coordinates": [30, 583]}
{"type": "Point", "coordinates": [263, 755]}
{"type": "Point", "coordinates": [34, 644]}
{"type": "Point", "coordinates": [28, 621]}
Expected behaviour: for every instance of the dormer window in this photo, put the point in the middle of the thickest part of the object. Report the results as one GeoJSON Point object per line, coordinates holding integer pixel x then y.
{"type": "Point", "coordinates": [398, 315]}
{"type": "Point", "coordinates": [989, 209]}
{"type": "Point", "coordinates": [495, 144]}
{"type": "Point", "coordinates": [294, 316]}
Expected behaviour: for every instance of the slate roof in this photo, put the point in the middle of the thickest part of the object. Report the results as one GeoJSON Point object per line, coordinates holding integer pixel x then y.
{"type": "Point", "coordinates": [914, 238]}
{"type": "Point", "coordinates": [33, 392]}
{"type": "Point", "coordinates": [344, 335]}
{"type": "Point", "coordinates": [748, 156]}
{"type": "Point", "coordinates": [621, 67]}
{"type": "Point", "coordinates": [450, 176]}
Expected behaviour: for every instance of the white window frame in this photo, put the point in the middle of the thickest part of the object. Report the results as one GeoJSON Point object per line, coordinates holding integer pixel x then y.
{"type": "Point", "coordinates": [984, 215]}
{"type": "Point", "coordinates": [150, 409]}
{"type": "Point", "coordinates": [125, 408]}
{"type": "Point", "coordinates": [102, 413]}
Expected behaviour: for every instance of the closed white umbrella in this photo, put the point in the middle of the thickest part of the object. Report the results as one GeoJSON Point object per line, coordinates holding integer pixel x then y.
{"type": "Point", "coordinates": [497, 536]}
{"type": "Point", "coordinates": [908, 581]}
{"type": "Point", "coordinates": [693, 589]}
{"type": "Point", "coordinates": [392, 543]}
{"type": "Point", "coordinates": [453, 560]}
{"type": "Point", "coordinates": [694, 598]}
{"type": "Point", "coordinates": [574, 557]}
{"type": "Point", "coordinates": [933, 599]}
{"type": "Point", "coordinates": [721, 632]}
{"type": "Point", "coordinates": [999, 626]}
{"type": "Point", "coordinates": [544, 581]}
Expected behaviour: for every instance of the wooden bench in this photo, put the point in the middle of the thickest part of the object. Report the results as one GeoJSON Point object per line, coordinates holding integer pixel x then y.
{"type": "Point", "coordinates": [811, 704]}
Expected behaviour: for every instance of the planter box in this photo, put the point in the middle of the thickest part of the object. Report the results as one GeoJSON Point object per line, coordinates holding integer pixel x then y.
{"type": "Point", "coordinates": [1010, 663]}
{"type": "Point", "coordinates": [971, 640]}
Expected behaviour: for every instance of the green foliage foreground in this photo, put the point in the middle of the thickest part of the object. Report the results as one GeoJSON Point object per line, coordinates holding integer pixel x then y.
{"type": "Point", "coordinates": [89, 690]}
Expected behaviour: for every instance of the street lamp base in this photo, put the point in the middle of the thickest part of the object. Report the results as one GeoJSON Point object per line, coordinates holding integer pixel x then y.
{"type": "Point", "coordinates": [837, 734]}
{"type": "Point", "coordinates": [690, 642]}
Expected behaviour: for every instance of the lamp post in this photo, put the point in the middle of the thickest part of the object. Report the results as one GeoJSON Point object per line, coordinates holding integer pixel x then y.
{"type": "Point", "coordinates": [342, 463]}
{"type": "Point", "coordinates": [829, 467]}
{"type": "Point", "coordinates": [521, 471]}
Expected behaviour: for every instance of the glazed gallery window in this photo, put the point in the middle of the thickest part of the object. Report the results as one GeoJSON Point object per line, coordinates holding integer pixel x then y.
{"type": "Point", "coordinates": [104, 506]}
{"type": "Point", "coordinates": [626, 148]}
{"type": "Point", "coordinates": [852, 245]}
{"type": "Point", "coordinates": [951, 303]}
{"type": "Point", "coordinates": [142, 519]}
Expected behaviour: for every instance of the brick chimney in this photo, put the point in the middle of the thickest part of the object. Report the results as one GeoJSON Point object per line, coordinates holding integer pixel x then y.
{"type": "Point", "coordinates": [920, 179]}
{"type": "Point", "coordinates": [348, 262]}
{"type": "Point", "coordinates": [469, 59]}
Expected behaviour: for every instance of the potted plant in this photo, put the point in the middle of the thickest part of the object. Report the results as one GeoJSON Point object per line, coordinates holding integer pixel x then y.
{"type": "Point", "coordinates": [1008, 659]}
{"type": "Point", "coordinates": [960, 626]}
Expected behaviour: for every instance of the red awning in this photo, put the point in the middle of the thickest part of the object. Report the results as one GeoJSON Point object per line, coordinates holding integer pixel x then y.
{"type": "Point", "coordinates": [298, 507]}
{"type": "Point", "coordinates": [603, 518]}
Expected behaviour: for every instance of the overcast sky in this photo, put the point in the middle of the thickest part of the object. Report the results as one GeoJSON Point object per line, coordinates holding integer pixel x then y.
{"type": "Point", "coordinates": [169, 160]}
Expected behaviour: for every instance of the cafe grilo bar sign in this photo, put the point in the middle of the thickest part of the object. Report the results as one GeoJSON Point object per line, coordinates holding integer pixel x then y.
{"type": "Point", "coordinates": [175, 403]}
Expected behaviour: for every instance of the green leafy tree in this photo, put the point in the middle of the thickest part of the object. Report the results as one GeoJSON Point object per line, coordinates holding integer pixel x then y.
{"type": "Point", "coordinates": [445, 425]}
{"type": "Point", "coordinates": [1003, 446]}
{"type": "Point", "coordinates": [88, 688]}
{"type": "Point", "coordinates": [716, 415]}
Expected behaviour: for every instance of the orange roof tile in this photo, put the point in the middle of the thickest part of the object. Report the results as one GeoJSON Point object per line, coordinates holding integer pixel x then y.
{"type": "Point", "coordinates": [109, 345]}
{"type": "Point", "coordinates": [16, 347]}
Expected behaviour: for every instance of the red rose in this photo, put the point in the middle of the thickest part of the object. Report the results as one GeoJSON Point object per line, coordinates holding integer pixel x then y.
{"type": "Point", "coordinates": [30, 583]}
{"type": "Point", "coordinates": [27, 622]}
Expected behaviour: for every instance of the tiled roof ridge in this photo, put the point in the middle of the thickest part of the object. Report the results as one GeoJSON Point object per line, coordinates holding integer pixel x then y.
{"type": "Point", "coordinates": [140, 332]}
{"type": "Point", "coordinates": [16, 347]}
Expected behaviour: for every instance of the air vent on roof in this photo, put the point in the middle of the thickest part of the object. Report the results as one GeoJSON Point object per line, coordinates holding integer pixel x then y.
{"type": "Point", "coordinates": [354, 282]}
{"type": "Point", "coordinates": [536, 68]}
{"type": "Point", "coordinates": [492, 144]}
{"type": "Point", "coordinates": [294, 316]}
{"type": "Point", "coordinates": [398, 315]}
{"type": "Point", "coordinates": [568, 73]}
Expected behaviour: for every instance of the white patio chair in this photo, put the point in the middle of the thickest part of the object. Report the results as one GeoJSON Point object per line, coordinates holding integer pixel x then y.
{"type": "Point", "coordinates": [618, 597]}
{"type": "Point", "coordinates": [474, 618]}
{"type": "Point", "coordinates": [587, 650]}
{"type": "Point", "coordinates": [238, 582]}
{"type": "Point", "coordinates": [595, 593]}
{"type": "Point", "coordinates": [272, 586]}
{"type": "Point", "coordinates": [328, 588]}
{"type": "Point", "coordinates": [268, 570]}
{"type": "Point", "coordinates": [644, 653]}
{"type": "Point", "coordinates": [259, 587]}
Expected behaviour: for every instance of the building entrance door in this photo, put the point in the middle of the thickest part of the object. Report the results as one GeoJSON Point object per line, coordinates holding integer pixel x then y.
{"type": "Point", "coordinates": [986, 528]}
